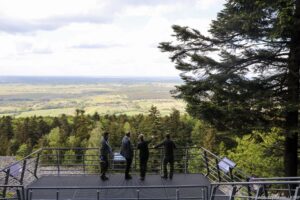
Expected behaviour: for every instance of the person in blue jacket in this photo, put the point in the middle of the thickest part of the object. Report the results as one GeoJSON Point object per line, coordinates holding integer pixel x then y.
{"type": "Point", "coordinates": [127, 153]}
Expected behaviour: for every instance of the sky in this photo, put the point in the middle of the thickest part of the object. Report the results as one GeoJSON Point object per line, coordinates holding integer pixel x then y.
{"type": "Point", "coordinates": [95, 37]}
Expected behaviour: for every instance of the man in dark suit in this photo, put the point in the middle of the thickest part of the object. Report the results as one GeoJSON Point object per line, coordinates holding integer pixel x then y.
{"type": "Point", "coordinates": [127, 153]}
{"type": "Point", "coordinates": [169, 147]}
{"type": "Point", "coordinates": [144, 155]}
{"type": "Point", "coordinates": [105, 150]}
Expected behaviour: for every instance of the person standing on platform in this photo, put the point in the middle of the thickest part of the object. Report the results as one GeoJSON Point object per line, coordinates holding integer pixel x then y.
{"type": "Point", "coordinates": [144, 155]}
{"type": "Point", "coordinates": [169, 147]}
{"type": "Point", "coordinates": [127, 153]}
{"type": "Point", "coordinates": [105, 150]}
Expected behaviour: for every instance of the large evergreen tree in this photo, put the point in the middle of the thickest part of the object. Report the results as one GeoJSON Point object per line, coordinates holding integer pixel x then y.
{"type": "Point", "coordinates": [245, 74]}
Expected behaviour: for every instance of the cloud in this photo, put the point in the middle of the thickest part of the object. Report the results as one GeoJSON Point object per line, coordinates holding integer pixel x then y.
{"type": "Point", "coordinates": [94, 37]}
{"type": "Point", "coordinates": [42, 51]}
{"type": "Point", "coordinates": [96, 46]}
{"type": "Point", "coordinates": [14, 26]}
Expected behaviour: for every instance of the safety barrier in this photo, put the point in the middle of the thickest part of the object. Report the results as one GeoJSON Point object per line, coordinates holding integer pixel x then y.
{"type": "Point", "coordinates": [276, 190]}
{"type": "Point", "coordinates": [141, 192]}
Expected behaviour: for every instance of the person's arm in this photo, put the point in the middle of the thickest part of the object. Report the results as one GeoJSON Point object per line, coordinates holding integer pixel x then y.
{"type": "Point", "coordinates": [174, 146]}
{"type": "Point", "coordinates": [159, 145]}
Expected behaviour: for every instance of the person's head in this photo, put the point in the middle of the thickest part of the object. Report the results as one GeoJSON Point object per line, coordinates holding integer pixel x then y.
{"type": "Point", "coordinates": [141, 137]}
{"type": "Point", "coordinates": [128, 134]}
{"type": "Point", "coordinates": [168, 136]}
{"type": "Point", "coordinates": [105, 135]}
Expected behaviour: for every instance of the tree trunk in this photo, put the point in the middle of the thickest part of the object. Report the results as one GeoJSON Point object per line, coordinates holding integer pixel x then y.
{"type": "Point", "coordinates": [292, 115]}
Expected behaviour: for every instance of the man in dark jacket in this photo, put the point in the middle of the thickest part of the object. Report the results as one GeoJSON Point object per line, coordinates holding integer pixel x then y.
{"type": "Point", "coordinates": [127, 153]}
{"type": "Point", "coordinates": [144, 155]}
{"type": "Point", "coordinates": [105, 150]}
{"type": "Point", "coordinates": [169, 147]}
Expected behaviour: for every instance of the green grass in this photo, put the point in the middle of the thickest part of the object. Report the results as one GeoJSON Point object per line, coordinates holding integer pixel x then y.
{"type": "Point", "coordinates": [53, 100]}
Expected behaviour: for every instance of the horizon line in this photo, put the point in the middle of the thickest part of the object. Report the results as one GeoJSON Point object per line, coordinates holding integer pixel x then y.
{"type": "Point", "coordinates": [90, 76]}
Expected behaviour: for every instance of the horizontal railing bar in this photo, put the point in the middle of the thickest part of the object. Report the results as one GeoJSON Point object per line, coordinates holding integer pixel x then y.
{"type": "Point", "coordinates": [119, 187]}
{"type": "Point", "coordinates": [277, 178]}
{"type": "Point", "coordinates": [257, 183]}
{"type": "Point", "coordinates": [8, 186]}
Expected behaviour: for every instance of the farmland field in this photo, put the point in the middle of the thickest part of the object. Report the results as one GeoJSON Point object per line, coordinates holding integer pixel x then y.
{"type": "Point", "coordinates": [50, 96]}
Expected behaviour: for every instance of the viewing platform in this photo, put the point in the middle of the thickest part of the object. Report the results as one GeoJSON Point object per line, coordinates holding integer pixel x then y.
{"type": "Point", "coordinates": [74, 174]}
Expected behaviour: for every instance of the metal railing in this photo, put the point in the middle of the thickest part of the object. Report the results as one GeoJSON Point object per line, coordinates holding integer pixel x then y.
{"type": "Point", "coordinates": [276, 190]}
{"type": "Point", "coordinates": [19, 174]}
{"type": "Point", "coordinates": [78, 161]}
{"type": "Point", "coordinates": [62, 161]}
{"type": "Point", "coordinates": [13, 192]}
{"type": "Point", "coordinates": [210, 168]}
{"type": "Point", "coordinates": [141, 192]}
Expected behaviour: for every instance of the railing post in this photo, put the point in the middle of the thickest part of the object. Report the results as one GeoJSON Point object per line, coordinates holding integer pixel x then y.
{"type": "Point", "coordinates": [258, 192]}
{"type": "Point", "coordinates": [206, 163]}
{"type": "Point", "coordinates": [23, 193]}
{"type": "Point", "coordinates": [161, 160]}
{"type": "Point", "coordinates": [231, 174]}
{"type": "Point", "coordinates": [213, 192]}
{"type": "Point", "coordinates": [177, 194]}
{"type": "Point", "coordinates": [186, 160]}
{"type": "Point", "coordinates": [296, 193]}
{"type": "Point", "coordinates": [36, 165]}
{"type": "Point", "coordinates": [57, 194]}
{"type": "Point", "coordinates": [6, 182]}
{"type": "Point", "coordinates": [30, 195]}
{"type": "Point", "coordinates": [137, 194]}
{"type": "Point", "coordinates": [57, 162]}
{"type": "Point", "coordinates": [19, 194]}
{"type": "Point", "coordinates": [248, 189]}
{"type": "Point", "coordinates": [232, 194]}
{"type": "Point", "coordinates": [83, 162]}
{"type": "Point", "coordinates": [98, 194]}
{"type": "Point", "coordinates": [265, 190]}
{"type": "Point", "coordinates": [23, 172]}
{"type": "Point", "coordinates": [218, 170]}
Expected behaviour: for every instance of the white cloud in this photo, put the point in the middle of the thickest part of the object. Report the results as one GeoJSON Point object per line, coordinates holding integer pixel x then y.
{"type": "Point", "coordinates": [94, 37]}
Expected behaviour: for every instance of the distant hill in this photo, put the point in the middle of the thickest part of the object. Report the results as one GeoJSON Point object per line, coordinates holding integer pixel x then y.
{"type": "Point", "coordinates": [53, 96]}
{"type": "Point", "coordinates": [83, 80]}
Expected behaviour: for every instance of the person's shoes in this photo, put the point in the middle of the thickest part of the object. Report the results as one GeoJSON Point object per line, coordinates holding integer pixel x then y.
{"type": "Point", "coordinates": [128, 177]}
{"type": "Point", "coordinates": [164, 177]}
{"type": "Point", "coordinates": [104, 178]}
{"type": "Point", "coordinates": [171, 177]}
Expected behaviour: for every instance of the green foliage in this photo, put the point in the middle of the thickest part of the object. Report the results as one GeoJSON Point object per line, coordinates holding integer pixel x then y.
{"type": "Point", "coordinates": [95, 136]}
{"type": "Point", "coordinates": [261, 147]}
{"type": "Point", "coordinates": [245, 75]}
{"type": "Point", "coordinates": [23, 151]}
{"type": "Point", "coordinates": [260, 153]}
{"type": "Point", "coordinates": [53, 138]}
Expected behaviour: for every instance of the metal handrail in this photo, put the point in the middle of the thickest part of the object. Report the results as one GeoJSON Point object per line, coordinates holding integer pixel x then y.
{"type": "Point", "coordinates": [257, 189]}
{"type": "Point", "coordinates": [257, 183]}
{"type": "Point", "coordinates": [275, 178]}
{"type": "Point", "coordinates": [204, 191]}
{"type": "Point", "coordinates": [19, 161]}
{"type": "Point", "coordinates": [20, 195]}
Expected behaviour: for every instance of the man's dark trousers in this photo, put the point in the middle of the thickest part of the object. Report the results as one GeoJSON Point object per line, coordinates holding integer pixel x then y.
{"type": "Point", "coordinates": [104, 165]}
{"type": "Point", "coordinates": [165, 163]}
{"type": "Point", "coordinates": [128, 165]}
{"type": "Point", "coordinates": [143, 167]}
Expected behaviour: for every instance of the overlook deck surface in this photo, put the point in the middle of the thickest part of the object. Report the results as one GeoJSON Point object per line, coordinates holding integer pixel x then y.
{"type": "Point", "coordinates": [85, 181]}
